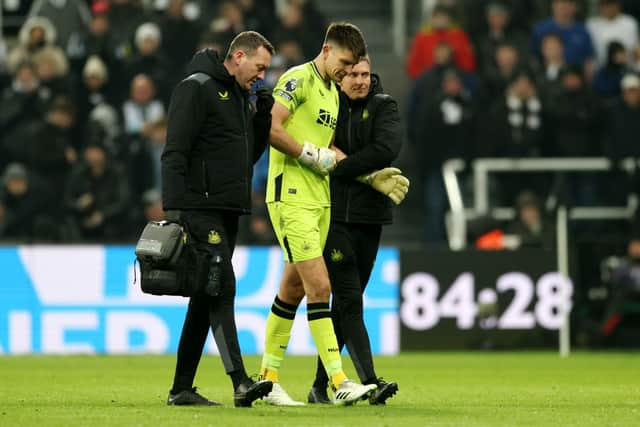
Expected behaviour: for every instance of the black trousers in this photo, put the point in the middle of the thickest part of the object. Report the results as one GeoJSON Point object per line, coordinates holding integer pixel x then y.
{"type": "Point", "coordinates": [214, 231]}
{"type": "Point", "coordinates": [350, 253]}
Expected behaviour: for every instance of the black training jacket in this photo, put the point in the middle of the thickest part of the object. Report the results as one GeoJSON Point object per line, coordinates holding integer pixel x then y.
{"type": "Point", "coordinates": [370, 133]}
{"type": "Point", "coordinates": [214, 137]}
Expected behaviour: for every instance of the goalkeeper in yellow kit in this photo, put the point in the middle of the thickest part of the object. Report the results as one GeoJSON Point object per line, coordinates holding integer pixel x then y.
{"type": "Point", "coordinates": [304, 118]}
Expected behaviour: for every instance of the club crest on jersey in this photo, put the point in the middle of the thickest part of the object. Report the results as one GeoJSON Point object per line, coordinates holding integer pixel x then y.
{"type": "Point", "coordinates": [291, 85]}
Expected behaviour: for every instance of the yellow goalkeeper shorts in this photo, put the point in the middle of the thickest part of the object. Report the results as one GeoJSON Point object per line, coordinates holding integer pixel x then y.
{"type": "Point", "coordinates": [301, 230]}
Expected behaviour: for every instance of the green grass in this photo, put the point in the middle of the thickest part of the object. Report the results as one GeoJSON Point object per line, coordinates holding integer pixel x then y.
{"type": "Point", "coordinates": [436, 389]}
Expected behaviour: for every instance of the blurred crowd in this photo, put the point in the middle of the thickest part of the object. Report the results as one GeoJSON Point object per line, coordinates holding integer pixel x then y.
{"type": "Point", "coordinates": [84, 90]}
{"type": "Point", "coordinates": [525, 79]}
{"type": "Point", "coordinates": [85, 87]}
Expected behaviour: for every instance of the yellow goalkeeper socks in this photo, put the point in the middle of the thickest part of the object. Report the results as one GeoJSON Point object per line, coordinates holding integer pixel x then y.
{"type": "Point", "coordinates": [279, 323]}
{"type": "Point", "coordinates": [319, 316]}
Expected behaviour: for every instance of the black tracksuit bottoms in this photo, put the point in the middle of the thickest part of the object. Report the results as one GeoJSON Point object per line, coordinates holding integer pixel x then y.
{"type": "Point", "coordinates": [350, 253]}
{"type": "Point", "coordinates": [215, 231]}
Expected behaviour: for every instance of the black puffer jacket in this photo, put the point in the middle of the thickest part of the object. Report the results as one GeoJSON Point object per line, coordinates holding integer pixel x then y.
{"type": "Point", "coordinates": [370, 133]}
{"type": "Point", "coordinates": [214, 137]}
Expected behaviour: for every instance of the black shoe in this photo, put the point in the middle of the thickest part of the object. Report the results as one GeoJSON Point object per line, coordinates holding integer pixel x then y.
{"type": "Point", "coordinates": [190, 397]}
{"type": "Point", "coordinates": [318, 395]}
{"type": "Point", "coordinates": [249, 391]}
{"type": "Point", "coordinates": [385, 391]}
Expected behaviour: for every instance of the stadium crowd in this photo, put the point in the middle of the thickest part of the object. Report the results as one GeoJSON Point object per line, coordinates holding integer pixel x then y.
{"type": "Point", "coordinates": [85, 86]}
{"type": "Point", "coordinates": [501, 79]}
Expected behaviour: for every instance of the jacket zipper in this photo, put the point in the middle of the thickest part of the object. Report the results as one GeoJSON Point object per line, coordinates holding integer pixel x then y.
{"type": "Point", "coordinates": [205, 181]}
{"type": "Point", "coordinates": [348, 185]}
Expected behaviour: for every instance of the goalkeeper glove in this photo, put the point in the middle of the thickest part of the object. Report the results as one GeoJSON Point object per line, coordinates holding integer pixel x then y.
{"type": "Point", "coordinates": [318, 159]}
{"type": "Point", "coordinates": [389, 182]}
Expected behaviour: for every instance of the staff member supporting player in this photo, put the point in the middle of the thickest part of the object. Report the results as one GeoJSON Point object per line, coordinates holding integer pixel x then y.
{"type": "Point", "coordinates": [213, 138]}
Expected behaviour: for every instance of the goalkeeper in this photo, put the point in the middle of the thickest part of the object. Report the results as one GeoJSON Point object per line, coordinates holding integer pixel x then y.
{"type": "Point", "coordinates": [369, 133]}
{"type": "Point", "coordinates": [304, 119]}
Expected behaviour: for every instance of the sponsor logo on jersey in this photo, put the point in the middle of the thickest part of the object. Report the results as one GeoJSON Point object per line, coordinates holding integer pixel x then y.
{"type": "Point", "coordinates": [326, 119]}
{"type": "Point", "coordinates": [224, 96]}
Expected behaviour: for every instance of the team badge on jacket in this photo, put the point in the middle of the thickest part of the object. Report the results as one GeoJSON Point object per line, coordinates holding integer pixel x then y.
{"type": "Point", "coordinates": [214, 237]}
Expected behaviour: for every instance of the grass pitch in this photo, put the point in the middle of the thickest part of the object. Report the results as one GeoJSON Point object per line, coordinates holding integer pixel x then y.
{"type": "Point", "coordinates": [436, 389]}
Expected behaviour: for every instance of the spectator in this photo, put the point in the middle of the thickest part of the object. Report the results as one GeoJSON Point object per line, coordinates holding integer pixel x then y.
{"type": "Point", "coordinates": [515, 127]}
{"type": "Point", "coordinates": [104, 127]}
{"type": "Point", "coordinates": [71, 20]}
{"type": "Point", "coordinates": [623, 124]}
{"type": "Point", "coordinates": [51, 146]}
{"type": "Point", "coordinates": [441, 30]}
{"type": "Point", "coordinates": [149, 60]}
{"type": "Point", "coordinates": [578, 47]}
{"type": "Point", "coordinates": [259, 14]}
{"type": "Point", "coordinates": [229, 22]}
{"type": "Point", "coordinates": [93, 89]}
{"type": "Point", "coordinates": [497, 77]}
{"type": "Point", "coordinates": [430, 82]}
{"type": "Point", "coordinates": [498, 34]}
{"type": "Point", "coordinates": [292, 35]}
{"type": "Point", "coordinates": [179, 39]}
{"type": "Point", "coordinates": [101, 42]}
{"type": "Point", "coordinates": [573, 112]}
{"type": "Point", "coordinates": [124, 17]}
{"type": "Point", "coordinates": [36, 33]}
{"type": "Point", "coordinates": [444, 131]}
{"type": "Point", "coordinates": [52, 69]}
{"type": "Point", "coordinates": [530, 226]}
{"type": "Point", "coordinates": [23, 207]}
{"type": "Point", "coordinates": [522, 14]}
{"type": "Point", "coordinates": [143, 158]}
{"type": "Point", "coordinates": [548, 73]}
{"type": "Point", "coordinates": [142, 107]}
{"type": "Point", "coordinates": [22, 103]}
{"type": "Point", "coordinates": [606, 83]}
{"type": "Point", "coordinates": [573, 116]}
{"type": "Point", "coordinates": [611, 25]}
{"type": "Point", "coordinates": [97, 196]}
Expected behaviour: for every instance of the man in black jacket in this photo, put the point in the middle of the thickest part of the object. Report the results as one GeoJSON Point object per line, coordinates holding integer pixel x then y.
{"type": "Point", "coordinates": [214, 137]}
{"type": "Point", "coordinates": [369, 134]}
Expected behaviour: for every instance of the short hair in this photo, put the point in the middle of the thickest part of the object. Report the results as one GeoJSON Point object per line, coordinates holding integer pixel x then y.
{"type": "Point", "coordinates": [347, 35]}
{"type": "Point", "coordinates": [250, 42]}
{"type": "Point", "coordinates": [366, 58]}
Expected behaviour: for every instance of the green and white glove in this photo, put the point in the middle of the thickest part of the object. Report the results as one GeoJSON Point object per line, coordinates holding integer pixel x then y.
{"type": "Point", "coordinates": [318, 159]}
{"type": "Point", "coordinates": [389, 182]}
